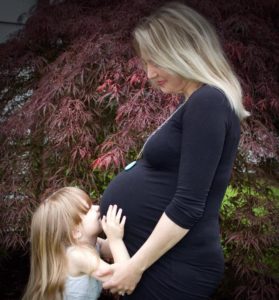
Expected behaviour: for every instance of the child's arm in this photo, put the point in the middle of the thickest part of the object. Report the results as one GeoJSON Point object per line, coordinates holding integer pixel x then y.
{"type": "Point", "coordinates": [113, 227]}
{"type": "Point", "coordinates": [104, 248]}
{"type": "Point", "coordinates": [85, 260]}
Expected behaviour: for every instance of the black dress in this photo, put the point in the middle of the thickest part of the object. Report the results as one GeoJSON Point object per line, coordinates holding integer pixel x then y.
{"type": "Point", "coordinates": [184, 172]}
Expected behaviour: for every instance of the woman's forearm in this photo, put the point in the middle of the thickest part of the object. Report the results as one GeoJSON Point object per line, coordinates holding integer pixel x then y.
{"type": "Point", "coordinates": [164, 236]}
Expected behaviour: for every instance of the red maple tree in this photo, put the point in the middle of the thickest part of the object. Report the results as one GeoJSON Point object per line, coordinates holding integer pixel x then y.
{"type": "Point", "coordinates": [76, 106]}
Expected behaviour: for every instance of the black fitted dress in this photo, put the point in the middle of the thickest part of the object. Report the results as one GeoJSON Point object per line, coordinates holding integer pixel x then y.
{"type": "Point", "coordinates": [184, 172]}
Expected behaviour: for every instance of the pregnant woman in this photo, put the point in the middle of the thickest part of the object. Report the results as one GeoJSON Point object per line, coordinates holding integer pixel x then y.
{"type": "Point", "coordinates": [172, 194]}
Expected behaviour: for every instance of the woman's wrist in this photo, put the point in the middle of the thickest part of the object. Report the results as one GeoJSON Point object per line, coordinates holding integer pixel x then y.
{"type": "Point", "coordinates": [137, 265]}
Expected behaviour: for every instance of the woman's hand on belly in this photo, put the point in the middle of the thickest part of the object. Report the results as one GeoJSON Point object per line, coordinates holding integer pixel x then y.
{"type": "Point", "coordinates": [125, 277]}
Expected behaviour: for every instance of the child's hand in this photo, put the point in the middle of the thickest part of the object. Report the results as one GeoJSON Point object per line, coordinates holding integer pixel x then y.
{"type": "Point", "coordinates": [113, 228]}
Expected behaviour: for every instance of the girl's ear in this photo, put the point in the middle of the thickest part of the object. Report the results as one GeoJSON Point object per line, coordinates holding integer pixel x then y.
{"type": "Point", "coordinates": [77, 233]}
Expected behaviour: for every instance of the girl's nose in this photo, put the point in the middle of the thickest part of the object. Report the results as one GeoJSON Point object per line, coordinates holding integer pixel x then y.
{"type": "Point", "coordinates": [96, 207]}
{"type": "Point", "coordinates": [150, 71]}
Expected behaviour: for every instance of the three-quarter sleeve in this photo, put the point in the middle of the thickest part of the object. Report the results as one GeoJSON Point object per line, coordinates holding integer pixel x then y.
{"type": "Point", "coordinates": [204, 125]}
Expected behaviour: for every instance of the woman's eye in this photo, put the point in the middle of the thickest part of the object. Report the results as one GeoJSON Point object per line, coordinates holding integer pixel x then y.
{"type": "Point", "coordinates": [143, 64]}
{"type": "Point", "coordinates": [153, 64]}
{"type": "Point", "coordinates": [146, 64]}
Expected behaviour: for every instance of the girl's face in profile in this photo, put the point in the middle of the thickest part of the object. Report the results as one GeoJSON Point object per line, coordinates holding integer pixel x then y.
{"type": "Point", "coordinates": [164, 80]}
{"type": "Point", "coordinates": [91, 223]}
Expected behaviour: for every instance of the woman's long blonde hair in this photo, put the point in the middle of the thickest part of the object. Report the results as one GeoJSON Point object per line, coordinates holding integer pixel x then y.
{"type": "Point", "coordinates": [51, 233]}
{"type": "Point", "coordinates": [179, 39]}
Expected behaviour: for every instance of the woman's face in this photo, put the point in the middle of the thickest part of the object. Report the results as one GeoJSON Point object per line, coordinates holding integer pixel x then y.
{"type": "Point", "coordinates": [165, 81]}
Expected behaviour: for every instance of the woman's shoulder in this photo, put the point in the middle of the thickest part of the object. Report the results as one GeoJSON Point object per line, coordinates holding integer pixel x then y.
{"type": "Point", "coordinates": [208, 95]}
{"type": "Point", "coordinates": [208, 103]}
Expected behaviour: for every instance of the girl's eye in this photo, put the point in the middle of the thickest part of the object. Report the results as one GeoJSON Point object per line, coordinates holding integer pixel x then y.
{"type": "Point", "coordinates": [89, 207]}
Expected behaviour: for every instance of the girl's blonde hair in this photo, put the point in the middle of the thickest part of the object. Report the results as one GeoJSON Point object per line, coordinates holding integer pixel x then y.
{"type": "Point", "coordinates": [179, 39]}
{"type": "Point", "coordinates": [51, 233]}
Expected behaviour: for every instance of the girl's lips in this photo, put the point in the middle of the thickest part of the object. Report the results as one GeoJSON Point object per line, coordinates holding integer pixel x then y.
{"type": "Point", "coordinates": [161, 82]}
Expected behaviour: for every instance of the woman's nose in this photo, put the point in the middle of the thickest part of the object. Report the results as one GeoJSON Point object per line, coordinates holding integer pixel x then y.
{"type": "Point", "coordinates": [150, 71]}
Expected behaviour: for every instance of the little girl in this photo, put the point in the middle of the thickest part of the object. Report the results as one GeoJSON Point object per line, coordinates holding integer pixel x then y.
{"type": "Point", "coordinates": [66, 249]}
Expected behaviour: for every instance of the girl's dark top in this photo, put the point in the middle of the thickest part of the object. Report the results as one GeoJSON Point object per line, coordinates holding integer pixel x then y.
{"type": "Point", "coordinates": [184, 172]}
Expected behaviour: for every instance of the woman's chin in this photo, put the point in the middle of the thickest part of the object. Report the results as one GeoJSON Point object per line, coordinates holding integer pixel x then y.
{"type": "Point", "coordinates": [164, 90]}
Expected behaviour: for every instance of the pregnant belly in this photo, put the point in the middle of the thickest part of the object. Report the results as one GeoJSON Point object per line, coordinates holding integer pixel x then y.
{"type": "Point", "coordinates": [143, 193]}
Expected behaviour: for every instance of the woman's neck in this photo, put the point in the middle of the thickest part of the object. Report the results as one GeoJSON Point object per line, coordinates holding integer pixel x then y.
{"type": "Point", "coordinates": [191, 87]}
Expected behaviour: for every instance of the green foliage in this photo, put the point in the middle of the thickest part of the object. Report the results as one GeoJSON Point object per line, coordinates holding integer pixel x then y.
{"type": "Point", "coordinates": [249, 224]}
{"type": "Point", "coordinates": [102, 180]}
